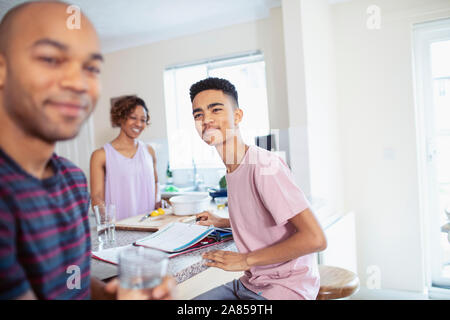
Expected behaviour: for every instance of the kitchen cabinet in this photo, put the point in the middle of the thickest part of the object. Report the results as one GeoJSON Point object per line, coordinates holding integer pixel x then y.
{"type": "Point", "coordinates": [341, 243]}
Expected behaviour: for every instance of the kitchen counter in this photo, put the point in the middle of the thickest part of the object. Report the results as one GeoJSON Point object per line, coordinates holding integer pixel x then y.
{"type": "Point", "coordinates": [181, 267]}
{"type": "Point", "coordinates": [187, 265]}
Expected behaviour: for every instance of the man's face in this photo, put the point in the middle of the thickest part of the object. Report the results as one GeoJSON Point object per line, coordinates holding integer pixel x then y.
{"type": "Point", "coordinates": [215, 116]}
{"type": "Point", "coordinates": [51, 82]}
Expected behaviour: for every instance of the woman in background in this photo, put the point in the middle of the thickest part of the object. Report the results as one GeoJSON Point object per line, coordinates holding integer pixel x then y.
{"type": "Point", "coordinates": [123, 172]}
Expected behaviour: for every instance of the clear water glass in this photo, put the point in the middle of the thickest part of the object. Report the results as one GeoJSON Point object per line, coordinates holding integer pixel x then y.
{"type": "Point", "coordinates": [105, 217]}
{"type": "Point", "coordinates": [140, 269]}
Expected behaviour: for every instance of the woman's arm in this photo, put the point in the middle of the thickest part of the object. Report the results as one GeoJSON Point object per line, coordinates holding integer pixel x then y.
{"type": "Point", "coordinates": [309, 238]}
{"type": "Point", "coordinates": [97, 174]}
{"type": "Point", "coordinates": [155, 173]}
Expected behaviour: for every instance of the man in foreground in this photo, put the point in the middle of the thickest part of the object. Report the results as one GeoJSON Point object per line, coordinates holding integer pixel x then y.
{"type": "Point", "coordinates": [49, 85]}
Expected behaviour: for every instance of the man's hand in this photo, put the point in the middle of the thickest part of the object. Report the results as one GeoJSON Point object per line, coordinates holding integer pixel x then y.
{"type": "Point", "coordinates": [227, 260]}
{"type": "Point", "coordinates": [164, 291]}
{"type": "Point", "coordinates": [207, 219]}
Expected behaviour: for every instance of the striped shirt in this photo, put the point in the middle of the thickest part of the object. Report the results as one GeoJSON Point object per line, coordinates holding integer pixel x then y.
{"type": "Point", "coordinates": [44, 232]}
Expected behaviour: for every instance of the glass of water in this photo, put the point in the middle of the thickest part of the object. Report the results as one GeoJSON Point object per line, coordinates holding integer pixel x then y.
{"type": "Point", "coordinates": [105, 217]}
{"type": "Point", "coordinates": [140, 270]}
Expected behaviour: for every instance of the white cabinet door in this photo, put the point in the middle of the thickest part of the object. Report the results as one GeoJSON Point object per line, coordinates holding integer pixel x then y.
{"type": "Point", "coordinates": [341, 248]}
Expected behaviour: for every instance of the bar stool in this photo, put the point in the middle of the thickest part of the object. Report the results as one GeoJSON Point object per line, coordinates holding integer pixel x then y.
{"type": "Point", "coordinates": [336, 283]}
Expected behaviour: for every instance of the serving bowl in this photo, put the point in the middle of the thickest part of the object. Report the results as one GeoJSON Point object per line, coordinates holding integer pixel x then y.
{"type": "Point", "coordinates": [189, 204]}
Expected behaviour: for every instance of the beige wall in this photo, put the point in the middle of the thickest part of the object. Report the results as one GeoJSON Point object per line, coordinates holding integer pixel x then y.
{"type": "Point", "coordinates": [140, 71]}
{"type": "Point", "coordinates": [312, 105]}
{"type": "Point", "coordinates": [377, 121]}
{"type": "Point", "coordinates": [321, 104]}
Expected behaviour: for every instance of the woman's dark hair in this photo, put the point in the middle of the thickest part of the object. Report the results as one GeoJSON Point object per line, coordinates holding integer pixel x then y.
{"type": "Point", "coordinates": [123, 107]}
{"type": "Point", "coordinates": [214, 84]}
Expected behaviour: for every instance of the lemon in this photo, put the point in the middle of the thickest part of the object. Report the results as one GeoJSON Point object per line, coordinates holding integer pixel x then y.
{"type": "Point", "coordinates": [154, 213]}
{"type": "Point", "coordinates": [160, 211]}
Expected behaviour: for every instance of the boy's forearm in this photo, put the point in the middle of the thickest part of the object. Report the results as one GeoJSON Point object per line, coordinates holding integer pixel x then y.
{"type": "Point", "coordinates": [295, 246]}
{"type": "Point", "coordinates": [225, 223]}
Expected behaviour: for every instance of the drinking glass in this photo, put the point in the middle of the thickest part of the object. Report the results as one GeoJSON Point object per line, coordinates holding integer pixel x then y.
{"type": "Point", "coordinates": [105, 217]}
{"type": "Point", "coordinates": [140, 270]}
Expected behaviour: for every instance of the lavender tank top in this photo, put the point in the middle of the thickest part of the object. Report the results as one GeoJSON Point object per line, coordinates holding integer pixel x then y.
{"type": "Point", "coordinates": [129, 182]}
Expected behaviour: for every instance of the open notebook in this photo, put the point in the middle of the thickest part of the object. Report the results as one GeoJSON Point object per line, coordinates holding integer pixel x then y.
{"type": "Point", "coordinates": [110, 255]}
{"type": "Point", "coordinates": [176, 238]}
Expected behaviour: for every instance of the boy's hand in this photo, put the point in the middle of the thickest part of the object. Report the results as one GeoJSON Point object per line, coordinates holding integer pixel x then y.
{"type": "Point", "coordinates": [227, 260]}
{"type": "Point", "coordinates": [206, 218]}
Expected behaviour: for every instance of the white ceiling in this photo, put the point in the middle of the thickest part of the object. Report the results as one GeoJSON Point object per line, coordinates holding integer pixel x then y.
{"type": "Point", "coordinates": [127, 23]}
{"type": "Point", "coordinates": [122, 24]}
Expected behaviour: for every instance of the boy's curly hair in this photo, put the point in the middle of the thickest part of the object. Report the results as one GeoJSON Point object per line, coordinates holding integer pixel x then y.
{"type": "Point", "coordinates": [123, 107]}
{"type": "Point", "coordinates": [215, 84]}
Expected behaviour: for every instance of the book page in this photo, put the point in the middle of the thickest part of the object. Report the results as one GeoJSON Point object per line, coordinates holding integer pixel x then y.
{"type": "Point", "coordinates": [176, 237]}
{"type": "Point", "coordinates": [110, 255]}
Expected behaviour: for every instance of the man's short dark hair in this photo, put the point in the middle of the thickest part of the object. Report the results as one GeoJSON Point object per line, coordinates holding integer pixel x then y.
{"type": "Point", "coordinates": [214, 84]}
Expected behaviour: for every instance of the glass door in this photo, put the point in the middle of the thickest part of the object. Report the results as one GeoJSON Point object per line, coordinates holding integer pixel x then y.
{"type": "Point", "coordinates": [440, 73]}
{"type": "Point", "coordinates": [432, 73]}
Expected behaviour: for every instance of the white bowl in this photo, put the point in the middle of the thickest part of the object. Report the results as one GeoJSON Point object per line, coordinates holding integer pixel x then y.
{"type": "Point", "coordinates": [190, 204]}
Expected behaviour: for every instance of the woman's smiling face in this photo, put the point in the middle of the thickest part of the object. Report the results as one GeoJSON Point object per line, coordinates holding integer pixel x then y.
{"type": "Point", "coordinates": [135, 123]}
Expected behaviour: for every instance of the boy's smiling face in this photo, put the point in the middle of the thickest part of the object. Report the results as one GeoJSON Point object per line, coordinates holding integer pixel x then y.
{"type": "Point", "coordinates": [216, 116]}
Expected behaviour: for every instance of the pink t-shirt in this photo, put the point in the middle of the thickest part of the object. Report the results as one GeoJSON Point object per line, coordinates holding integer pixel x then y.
{"type": "Point", "coordinates": [262, 197]}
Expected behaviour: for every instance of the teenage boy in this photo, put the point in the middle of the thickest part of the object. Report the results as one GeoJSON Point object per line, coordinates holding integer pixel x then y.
{"type": "Point", "coordinates": [274, 229]}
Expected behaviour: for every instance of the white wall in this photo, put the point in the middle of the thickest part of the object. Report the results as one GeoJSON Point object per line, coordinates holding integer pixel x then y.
{"type": "Point", "coordinates": [377, 126]}
{"type": "Point", "coordinates": [139, 70]}
{"type": "Point", "coordinates": [296, 94]}
{"type": "Point", "coordinates": [321, 104]}
{"type": "Point", "coordinates": [311, 84]}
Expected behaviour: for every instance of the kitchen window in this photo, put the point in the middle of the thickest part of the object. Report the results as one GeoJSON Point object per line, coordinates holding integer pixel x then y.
{"type": "Point", "coordinates": [246, 72]}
